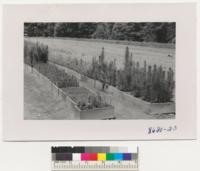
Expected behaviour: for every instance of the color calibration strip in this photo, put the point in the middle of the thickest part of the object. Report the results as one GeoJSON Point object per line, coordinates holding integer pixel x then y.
{"type": "Point", "coordinates": [94, 158]}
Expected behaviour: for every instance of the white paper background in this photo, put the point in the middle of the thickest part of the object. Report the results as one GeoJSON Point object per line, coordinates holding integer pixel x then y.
{"type": "Point", "coordinates": [15, 128]}
{"type": "Point", "coordinates": [154, 155]}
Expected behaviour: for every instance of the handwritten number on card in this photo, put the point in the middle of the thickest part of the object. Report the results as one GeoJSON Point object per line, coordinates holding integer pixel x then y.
{"type": "Point", "coordinates": [159, 129]}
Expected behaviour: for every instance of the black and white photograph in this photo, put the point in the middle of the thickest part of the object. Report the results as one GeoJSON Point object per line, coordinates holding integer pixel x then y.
{"type": "Point", "coordinates": [100, 85]}
{"type": "Point", "coordinates": [99, 70]}
{"type": "Point", "coordinates": [109, 71]}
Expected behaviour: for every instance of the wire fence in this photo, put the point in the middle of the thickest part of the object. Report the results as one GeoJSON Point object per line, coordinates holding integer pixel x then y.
{"type": "Point", "coordinates": [53, 87]}
{"type": "Point", "coordinates": [58, 91]}
{"type": "Point", "coordinates": [103, 113]}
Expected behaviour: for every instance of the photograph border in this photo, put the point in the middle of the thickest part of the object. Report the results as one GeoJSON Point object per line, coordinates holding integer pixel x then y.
{"type": "Point", "coordinates": [17, 129]}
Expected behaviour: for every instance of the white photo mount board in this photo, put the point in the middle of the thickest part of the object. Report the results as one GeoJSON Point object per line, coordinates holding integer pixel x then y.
{"type": "Point", "coordinates": [18, 129]}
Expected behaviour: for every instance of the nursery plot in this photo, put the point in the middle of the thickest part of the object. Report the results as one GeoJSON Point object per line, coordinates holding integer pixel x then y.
{"type": "Point", "coordinates": [86, 50]}
{"type": "Point", "coordinates": [121, 70]}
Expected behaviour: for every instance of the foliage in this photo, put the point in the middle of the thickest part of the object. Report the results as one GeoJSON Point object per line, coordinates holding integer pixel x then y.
{"type": "Point", "coordinates": [36, 55]}
{"type": "Point", "coordinates": [57, 76]}
{"type": "Point", "coordinates": [102, 71]}
{"type": "Point", "coordinates": [39, 54]}
{"type": "Point", "coordinates": [163, 32]}
{"type": "Point", "coordinates": [79, 66]}
{"type": "Point", "coordinates": [150, 84]}
{"type": "Point", "coordinates": [42, 52]}
{"type": "Point", "coordinates": [92, 102]}
{"type": "Point", "coordinates": [35, 52]}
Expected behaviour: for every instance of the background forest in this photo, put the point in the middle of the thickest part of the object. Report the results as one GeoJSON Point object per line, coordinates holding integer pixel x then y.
{"type": "Point", "coordinates": [162, 32]}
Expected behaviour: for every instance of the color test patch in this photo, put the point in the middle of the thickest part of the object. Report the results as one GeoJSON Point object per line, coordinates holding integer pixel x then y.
{"type": "Point", "coordinates": [127, 156]}
{"type": "Point", "coordinates": [63, 156]}
{"type": "Point", "coordinates": [89, 157]}
{"type": "Point", "coordinates": [93, 156]}
{"type": "Point", "coordinates": [84, 156]}
{"type": "Point", "coordinates": [76, 156]}
{"type": "Point", "coordinates": [101, 156]}
{"type": "Point", "coordinates": [118, 156]}
{"type": "Point", "coordinates": [134, 156]}
{"type": "Point", "coordinates": [110, 156]}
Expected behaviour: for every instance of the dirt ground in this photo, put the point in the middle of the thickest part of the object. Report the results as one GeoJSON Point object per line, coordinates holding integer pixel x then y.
{"type": "Point", "coordinates": [40, 102]}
